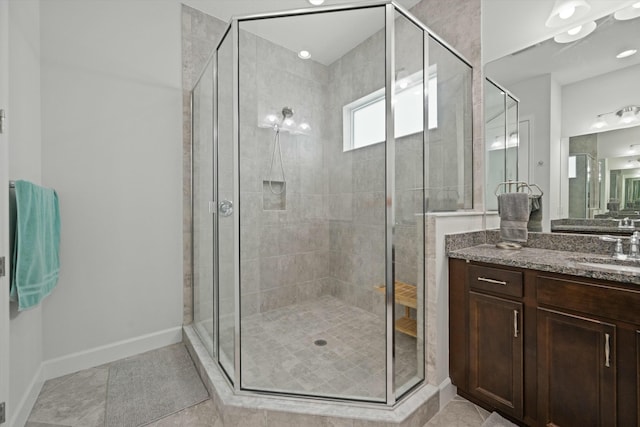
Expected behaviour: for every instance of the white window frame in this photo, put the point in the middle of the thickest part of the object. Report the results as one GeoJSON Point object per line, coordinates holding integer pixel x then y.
{"type": "Point", "coordinates": [409, 83]}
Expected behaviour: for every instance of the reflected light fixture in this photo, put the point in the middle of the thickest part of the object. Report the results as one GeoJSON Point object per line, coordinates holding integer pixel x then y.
{"type": "Point", "coordinates": [575, 33]}
{"type": "Point", "coordinates": [628, 114]}
{"type": "Point", "coordinates": [623, 116]}
{"type": "Point", "coordinates": [316, 2]}
{"type": "Point", "coordinates": [565, 11]}
{"type": "Point", "coordinates": [629, 12]}
{"type": "Point", "coordinates": [600, 122]}
{"type": "Point", "coordinates": [626, 53]}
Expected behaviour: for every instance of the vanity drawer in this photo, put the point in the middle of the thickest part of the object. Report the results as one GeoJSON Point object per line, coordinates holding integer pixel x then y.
{"type": "Point", "coordinates": [495, 280]}
{"type": "Point", "coordinates": [601, 299]}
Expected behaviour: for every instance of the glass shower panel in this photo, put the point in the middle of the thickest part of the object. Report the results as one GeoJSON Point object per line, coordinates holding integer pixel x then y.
{"type": "Point", "coordinates": [312, 223]}
{"type": "Point", "coordinates": [203, 237]}
{"type": "Point", "coordinates": [450, 143]}
{"type": "Point", "coordinates": [226, 211]}
{"type": "Point", "coordinates": [409, 207]}
{"type": "Point", "coordinates": [495, 117]}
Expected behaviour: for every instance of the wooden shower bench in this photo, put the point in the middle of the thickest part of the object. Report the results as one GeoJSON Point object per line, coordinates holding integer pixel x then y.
{"type": "Point", "coordinates": [407, 296]}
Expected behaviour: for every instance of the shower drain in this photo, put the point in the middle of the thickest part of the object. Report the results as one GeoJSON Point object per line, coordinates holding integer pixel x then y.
{"type": "Point", "coordinates": [320, 343]}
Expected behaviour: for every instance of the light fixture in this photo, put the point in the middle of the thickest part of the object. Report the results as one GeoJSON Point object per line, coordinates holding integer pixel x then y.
{"type": "Point", "coordinates": [622, 116]}
{"type": "Point", "coordinates": [626, 53]}
{"type": "Point", "coordinates": [600, 122]}
{"type": "Point", "coordinates": [629, 12]}
{"type": "Point", "coordinates": [304, 54]}
{"type": "Point", "coordinates": [575, 33]}
{"type": "Point", "coordinates": [316, 2]}
{"type": "Point", "coordinates": [628, 114]}
{"type": "Point", "coordinates": [565, 11]}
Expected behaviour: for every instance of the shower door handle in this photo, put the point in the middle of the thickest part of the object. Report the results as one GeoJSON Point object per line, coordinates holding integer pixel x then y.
{"type": "Point", "coordinates": [226, 208]}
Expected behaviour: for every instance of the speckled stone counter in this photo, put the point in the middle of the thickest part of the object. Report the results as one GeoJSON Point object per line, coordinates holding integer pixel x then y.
{"type": "Point", "coordinates": [552, 252]}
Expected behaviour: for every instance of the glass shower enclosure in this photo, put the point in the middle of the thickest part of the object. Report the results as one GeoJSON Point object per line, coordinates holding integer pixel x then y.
{"type": "Point", "coordinates": [321, 138]}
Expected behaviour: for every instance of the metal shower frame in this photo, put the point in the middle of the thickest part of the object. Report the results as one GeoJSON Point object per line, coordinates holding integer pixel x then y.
{"type": "Point", "coordinates": [232, 31]}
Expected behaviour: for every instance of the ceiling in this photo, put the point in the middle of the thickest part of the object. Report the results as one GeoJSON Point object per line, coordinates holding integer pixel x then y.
{"type": "Point", "coordinates": [307, 31]}
{"type": "Point", "coordinates": [588, 57]}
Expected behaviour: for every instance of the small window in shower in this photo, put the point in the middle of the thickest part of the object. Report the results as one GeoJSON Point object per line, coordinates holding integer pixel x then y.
{"type": "Point", "coordinates": [364, 119]}
{"type": "Point", "coordinates": [274, 195]}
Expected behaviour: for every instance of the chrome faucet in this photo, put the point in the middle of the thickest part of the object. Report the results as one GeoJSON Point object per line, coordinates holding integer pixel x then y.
{"type": "Point", "coordinates": [634, 240]}
{"type": "Point", "coordinates": [618, 253]}
{"type": "Point", "coordinates": [626, 222]}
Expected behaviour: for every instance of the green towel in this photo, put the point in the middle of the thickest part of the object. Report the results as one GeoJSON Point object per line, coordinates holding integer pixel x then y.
{"type": "Point", "coordinates": [36, 262]}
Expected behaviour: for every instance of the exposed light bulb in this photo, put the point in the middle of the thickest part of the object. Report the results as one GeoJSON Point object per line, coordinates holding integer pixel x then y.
{"type": "Point", "coordinates": [566, 11]}
{"type": "Point", "coordinates": [304, 54]}
{"type": "Point", "coordinates": [316, 2]}
{"type": "Point", "coordinates": [288, 122]}
{"type": "Point", "coordinates": [305, 126]}
{"type": "Point", "coordinates": [574, 31]}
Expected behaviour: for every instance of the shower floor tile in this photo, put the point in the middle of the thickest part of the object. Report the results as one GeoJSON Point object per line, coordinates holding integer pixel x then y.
{"type": "Point", "coordinates": [279, 351]}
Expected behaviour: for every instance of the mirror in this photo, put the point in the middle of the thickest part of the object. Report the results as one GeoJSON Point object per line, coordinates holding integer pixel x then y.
{"type": "Point", "coordinates": [501, 134]}
{"type": "Point", "coordinates": [580, 107]}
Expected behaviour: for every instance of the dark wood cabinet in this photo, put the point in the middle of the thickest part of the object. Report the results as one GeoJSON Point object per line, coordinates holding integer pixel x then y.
{"type": "Point", "coordinates": [495, 352]}
{"type": "Point", "coordinates": [576, 370]}
{"type": "Point", "coordinates": [545, 349]}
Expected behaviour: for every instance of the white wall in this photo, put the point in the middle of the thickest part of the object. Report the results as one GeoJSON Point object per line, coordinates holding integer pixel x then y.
{"type": "Point", "coordinates": [4, 203]}
{"type": "Point", "coordinates": [25, 344]}
{"type": "Point", "coordinates": [112, 131]}
{"type": "Point", "coordinates": [536, 104]}
{"type": "Point", "coordinates": [584, 100]}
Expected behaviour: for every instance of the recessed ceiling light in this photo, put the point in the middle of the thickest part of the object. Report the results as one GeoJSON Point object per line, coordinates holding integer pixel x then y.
{"type": "Point", "coordinates": [626, 53]}
{"type": "Point", "coordinates": [575, 33]}
{"type": "Point", "coordinates": [630, 12]}
{"type": "Point", "coordinates": [304, 54]}
{"type": "Point", "coordinates": [564, 10]}
{"type": "Point", "coordinates": [316, 2]}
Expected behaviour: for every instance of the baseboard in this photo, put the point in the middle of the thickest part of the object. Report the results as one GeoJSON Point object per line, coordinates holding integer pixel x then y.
{"type": "Point", "coordinates": [23, 409]}
{"type": "Point", "coordinates": [447, 392]}
{"type": "Point", "coordinates": [54, 368]}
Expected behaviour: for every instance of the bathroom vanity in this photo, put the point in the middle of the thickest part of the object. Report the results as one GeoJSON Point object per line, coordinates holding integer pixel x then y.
{"type": "Point", "coordinates": [546, 337]}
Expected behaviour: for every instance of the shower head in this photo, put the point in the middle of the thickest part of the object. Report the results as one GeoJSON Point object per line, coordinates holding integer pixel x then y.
{"type": "Point", "coordinates": [286, 112]}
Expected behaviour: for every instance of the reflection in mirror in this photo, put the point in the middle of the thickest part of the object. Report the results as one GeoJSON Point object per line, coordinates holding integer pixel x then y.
{"type": "Point", "coordinates": [580, 101]}
{"type": "Point", "coordinates": [501, 136]}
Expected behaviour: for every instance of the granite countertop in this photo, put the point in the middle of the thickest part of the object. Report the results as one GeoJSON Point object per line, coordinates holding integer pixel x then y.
{"type": "Point", "coordinates": [554, 261]}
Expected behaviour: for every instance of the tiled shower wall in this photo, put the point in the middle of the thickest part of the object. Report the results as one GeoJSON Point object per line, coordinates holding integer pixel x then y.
{"type": "Point", "coordinates": [284, 244]}
{"type": "Point", "coordinates": [330, 237]}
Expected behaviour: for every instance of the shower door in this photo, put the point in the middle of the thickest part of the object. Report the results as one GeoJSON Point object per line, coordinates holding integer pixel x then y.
{"type": "Point", "coordinates": [225, 136]}
{"type": "Point", "coordinates": [203, 224]}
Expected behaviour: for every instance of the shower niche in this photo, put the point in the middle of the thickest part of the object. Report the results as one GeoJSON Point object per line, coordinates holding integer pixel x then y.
{"type": "Point", "coordinates": [329, 159]}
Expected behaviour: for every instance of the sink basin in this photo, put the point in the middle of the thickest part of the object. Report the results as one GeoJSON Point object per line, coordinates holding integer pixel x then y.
{"type": "Point", "coordinates": [616, 268]}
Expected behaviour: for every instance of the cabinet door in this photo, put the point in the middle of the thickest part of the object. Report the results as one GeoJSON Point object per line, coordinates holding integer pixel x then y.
{"type": "Point", "coordinates": [495, 352]}
{"type": "Point", "coordinates": [576, 371]}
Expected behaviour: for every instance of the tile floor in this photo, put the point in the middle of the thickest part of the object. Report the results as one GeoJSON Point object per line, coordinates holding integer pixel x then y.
{"type": "Point", "coordinates": [80, 401]}
{"type": "Point", "coordinates": [279, 354]}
